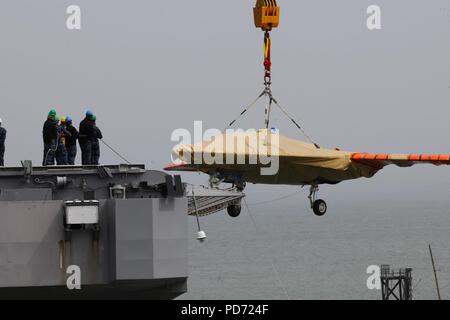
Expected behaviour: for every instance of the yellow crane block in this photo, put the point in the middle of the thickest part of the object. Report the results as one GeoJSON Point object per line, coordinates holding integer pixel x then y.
{"type": "Point", "coordinates": [266, 14]}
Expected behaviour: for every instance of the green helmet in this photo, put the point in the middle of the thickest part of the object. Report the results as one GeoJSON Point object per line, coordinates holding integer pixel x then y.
{"type": "Point", "coordinates": [94, 117]}
{"type": "Point", "coordinates": [56, 118]}
{"type": "Point", "coordinates": [52, 113]}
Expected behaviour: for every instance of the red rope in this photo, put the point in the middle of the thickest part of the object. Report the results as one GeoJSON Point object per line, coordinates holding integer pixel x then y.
{"type": "Point", "coordinates": [267, 57]}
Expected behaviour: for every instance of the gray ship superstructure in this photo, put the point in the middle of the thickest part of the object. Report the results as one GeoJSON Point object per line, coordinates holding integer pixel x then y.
{"type": "Point", "coordinates": [124, 227]}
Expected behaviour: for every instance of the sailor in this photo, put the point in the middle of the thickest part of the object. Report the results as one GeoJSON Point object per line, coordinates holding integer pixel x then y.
{"type": "Point", "coordinates": [50, 137]}
{"type": "Point", "coordinates": [86, 135]}
{"type": "Point", "coordinates": [71, 142]}
{"type": "Point", "coordinates": [61, 151]}
{"type": "Point", "coordinates": [95, 143]}
{"type": "Point", "coordinates": [2, 144]}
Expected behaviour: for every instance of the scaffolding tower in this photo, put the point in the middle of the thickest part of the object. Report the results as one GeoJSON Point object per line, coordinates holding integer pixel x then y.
{"type": "Point", "coordinates": [396, 284]}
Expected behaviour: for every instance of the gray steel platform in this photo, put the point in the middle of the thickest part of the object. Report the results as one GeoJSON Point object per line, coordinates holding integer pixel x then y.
{"type": "Point", "coordinates": [140, 250]}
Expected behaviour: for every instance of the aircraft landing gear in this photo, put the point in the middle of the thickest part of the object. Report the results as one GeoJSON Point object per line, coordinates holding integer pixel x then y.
{"type": "Point", "coordinates": [215, 179]}
{"type": "Point", "coordinates": [319, 206]}
{"type": "Point", "coordinates": [240, 185]}
{"type": "Point", "coordinates": [234, 210]}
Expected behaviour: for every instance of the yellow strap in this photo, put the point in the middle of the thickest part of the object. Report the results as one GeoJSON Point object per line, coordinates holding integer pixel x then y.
{"type": "Point", "coordinates": [266, 47]}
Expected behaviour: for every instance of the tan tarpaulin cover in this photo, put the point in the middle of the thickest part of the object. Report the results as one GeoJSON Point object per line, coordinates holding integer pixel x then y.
{"type": "Point", "coordinates": [299, 162]}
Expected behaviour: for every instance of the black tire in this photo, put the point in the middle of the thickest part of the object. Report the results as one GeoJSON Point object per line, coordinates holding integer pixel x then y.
{"type": "Point", "coordinates": [319, 207]}
{"type": "Point", "coordinates": [234, 210]}
{"type": "Point", "coordinates": [240, 186]}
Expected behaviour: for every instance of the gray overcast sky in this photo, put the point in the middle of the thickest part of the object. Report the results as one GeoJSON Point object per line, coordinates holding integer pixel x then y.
{"type": "Point", "coordinates": [148, 67]}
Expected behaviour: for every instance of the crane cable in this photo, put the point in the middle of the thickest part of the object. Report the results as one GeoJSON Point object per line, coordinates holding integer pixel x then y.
{"type": "Point", "coordinates": [246, 109]}
{"type": "Point", "coordinates": [267, 92]}
{"type": "Point", "coordinates": [267, 82]}
{"type": "Point", "coordinates": [272, 263]}
{"type": "Point", "coordinates": [275, 200]}
{"type": "Point", "coordinates": [117, 153]}
{"type": "Point", "coordinates": [295, 123]}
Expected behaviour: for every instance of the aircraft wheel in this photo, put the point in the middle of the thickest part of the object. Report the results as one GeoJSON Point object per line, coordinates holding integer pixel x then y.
{"type": "Point", "coordinates": [319, 207]}
{"type": "Point", "coordinates": [234, 210]}
{"type": "Point", "coordinates": [240, 186]}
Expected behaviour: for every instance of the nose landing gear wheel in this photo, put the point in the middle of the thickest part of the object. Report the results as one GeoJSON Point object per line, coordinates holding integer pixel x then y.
{"type": "Point", "coordinates": [234, 210]}
{"type": "Point", "coordinates": [319, 207]}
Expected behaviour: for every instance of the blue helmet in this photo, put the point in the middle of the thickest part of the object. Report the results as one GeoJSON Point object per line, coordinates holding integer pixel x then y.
{"type": "Point", "coordinates": [68, 119]}
{"type": "Point", "coordinates": [89, 113]}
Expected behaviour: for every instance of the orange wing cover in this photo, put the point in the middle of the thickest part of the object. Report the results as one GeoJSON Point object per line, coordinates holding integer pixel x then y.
{"type": "Point", "coordinates": [379, 161]}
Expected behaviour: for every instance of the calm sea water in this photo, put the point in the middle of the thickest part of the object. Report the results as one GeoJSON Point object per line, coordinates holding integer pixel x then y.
{"type": "Point", "coordinates": [285, 252]}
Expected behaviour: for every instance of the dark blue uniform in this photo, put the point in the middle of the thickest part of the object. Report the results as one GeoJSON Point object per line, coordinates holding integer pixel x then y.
{"type": "Point", "coordinates": [85, 139]}
{"type": "Point", "coordinates": [50, 137]}
{"type": "Point", "coordinates": [96, 146]}
{"type": "Point", "coordinates": [61, 151]}
{"type": "Point", "coordinates": [71, 144]}
{"type": "Point", "coordinates": [2, 145]}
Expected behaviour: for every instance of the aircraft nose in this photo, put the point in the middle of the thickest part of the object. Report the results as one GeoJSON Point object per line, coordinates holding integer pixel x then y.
{"type": "Point", "coordinates": [179, 153]}
{"type": "Point", "coordinates": [175, 154]}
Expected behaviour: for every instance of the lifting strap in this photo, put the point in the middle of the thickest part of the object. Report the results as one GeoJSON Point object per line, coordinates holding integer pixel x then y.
{"type": "Point", "coordinates": [271, 10]}
{"type": "Point", "coordinates": [267, 58]}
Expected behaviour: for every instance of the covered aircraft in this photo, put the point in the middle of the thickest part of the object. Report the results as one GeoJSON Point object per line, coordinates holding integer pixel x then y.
{"type": "Point", "coordinates": [241, 157]}
{"type": "Point", "coordinates": [266, 157]}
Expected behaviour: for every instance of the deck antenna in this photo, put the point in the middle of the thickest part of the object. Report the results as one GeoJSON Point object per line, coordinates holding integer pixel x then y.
{"type": "Point", "coordinates": [434, 271]}
{"type": "Point", "coordinates": [201, 235]}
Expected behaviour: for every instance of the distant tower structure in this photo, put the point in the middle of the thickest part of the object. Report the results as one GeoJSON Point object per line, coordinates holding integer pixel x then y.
{"type": "Point", "coordinates": [396, 284]}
